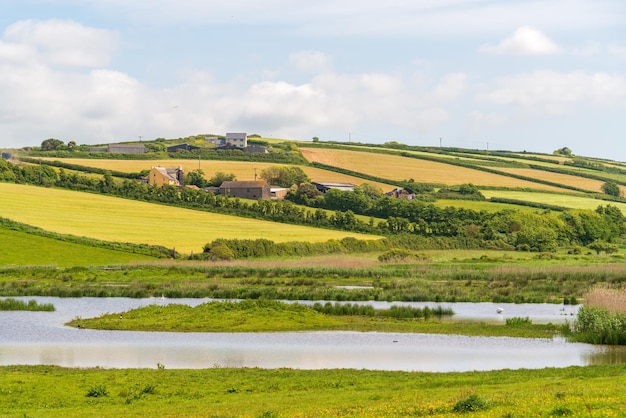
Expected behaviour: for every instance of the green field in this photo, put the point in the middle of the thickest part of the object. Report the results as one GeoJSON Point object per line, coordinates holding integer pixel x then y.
{"type": "Point", "coordinates": [121, 220]}
{"type": "Point", "coordinates": [25, 249]}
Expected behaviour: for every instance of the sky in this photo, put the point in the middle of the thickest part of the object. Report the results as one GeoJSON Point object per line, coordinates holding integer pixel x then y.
{"type": "Point", "coordinates": [520, 75]}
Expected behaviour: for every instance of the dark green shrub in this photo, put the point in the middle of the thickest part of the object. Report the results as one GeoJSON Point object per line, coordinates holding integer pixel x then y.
{"type": "Point", "coordinates": [97, 392]}
{"type": "Point", "coordinates": [472, 403]}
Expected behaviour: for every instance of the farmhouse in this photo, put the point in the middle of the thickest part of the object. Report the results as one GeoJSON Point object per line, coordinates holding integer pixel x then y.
{"type": "Point", "coordinates": [237, 140]}
{"type": "Point", "coordinates": [159, 176]}
{"type": "Point", "coordinates": [246, 189]}
{"type": "Point", "coordinates": [324, 187]}
{"type": "Point", "coordinates": [399, 193]}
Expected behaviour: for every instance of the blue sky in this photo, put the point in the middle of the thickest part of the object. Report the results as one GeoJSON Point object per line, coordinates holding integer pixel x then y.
{"type": "Point", "coordinates": [533, 75]}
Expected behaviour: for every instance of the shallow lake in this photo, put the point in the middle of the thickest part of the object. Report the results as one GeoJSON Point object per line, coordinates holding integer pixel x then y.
{"type": "Point", "coordinates": [41, 338]}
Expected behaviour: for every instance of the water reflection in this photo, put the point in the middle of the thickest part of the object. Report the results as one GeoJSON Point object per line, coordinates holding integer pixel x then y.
{"type": "Point", "coordinates": [41, 338]}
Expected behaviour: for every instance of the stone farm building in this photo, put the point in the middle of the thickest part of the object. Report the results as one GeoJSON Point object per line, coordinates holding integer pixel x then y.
{"type": "Point", "coordinates": [160, 176]}
{"type": "Point", "coordinates": [246, 189]}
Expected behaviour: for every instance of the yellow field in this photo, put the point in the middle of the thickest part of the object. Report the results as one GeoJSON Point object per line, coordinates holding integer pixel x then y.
{"type": "Point", "coordinates": [244, 171]}
{"type": "Point", "coordinates": [567, 201]}
{"type": "Point", "coordinates": [113, 219]}
{"type": "Point", "coordinates": [402, 168]}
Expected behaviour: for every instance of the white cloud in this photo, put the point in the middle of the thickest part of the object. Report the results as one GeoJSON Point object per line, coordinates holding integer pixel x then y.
{"type": "Point", "coordinates": [617, 50]}
{"type": "Point", "coordinates": [554, 92]}
{"type": "Point", "coordinates": [63, 42]}
{"type": "Point", "coordinates": [311, 61]}
{"type": "Point", "coordinates": [479, 121]}
{"type": "Point", "coordinates": [525, 41]}
{"type": "Point", "coordinates": [372, 17]}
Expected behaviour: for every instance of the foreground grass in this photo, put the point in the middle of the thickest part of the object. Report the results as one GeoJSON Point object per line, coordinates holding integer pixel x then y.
{"type": "Point", "coordinates": [44, 391]}
{"type": "Point", "coordinates": [122, 220]}
{"type": "Point", "coordinates": [271, 316]}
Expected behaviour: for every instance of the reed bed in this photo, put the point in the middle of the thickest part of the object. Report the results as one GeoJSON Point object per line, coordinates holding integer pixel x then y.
{"type": "Point", "coordinates": [611, 299]}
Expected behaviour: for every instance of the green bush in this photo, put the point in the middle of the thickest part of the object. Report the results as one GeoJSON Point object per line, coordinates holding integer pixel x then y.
{"type": "Point", "coordinates": [97, 392]}
{"type": "Point", "coordinates": [472, 403]}
{"type": "Point", "coordinates": [600, 326]}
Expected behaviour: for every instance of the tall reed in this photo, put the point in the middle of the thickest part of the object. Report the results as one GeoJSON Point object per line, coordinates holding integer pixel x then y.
{"type": "Point", "coordinates": [603, 318]}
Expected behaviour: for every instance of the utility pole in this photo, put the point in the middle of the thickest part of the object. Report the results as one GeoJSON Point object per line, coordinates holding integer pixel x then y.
{"type": "Point", "coordinates": [349, 136]}
{"type": "Point", "coordinates": [440, 138]}
{"type": "Point", "coordinates": [140, 138]}
{"type": "Point", "coordinates": [255, 174]}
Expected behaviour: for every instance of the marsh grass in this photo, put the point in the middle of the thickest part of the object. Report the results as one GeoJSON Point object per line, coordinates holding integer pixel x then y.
{"type": "Point", "coordinates": [11, 304]}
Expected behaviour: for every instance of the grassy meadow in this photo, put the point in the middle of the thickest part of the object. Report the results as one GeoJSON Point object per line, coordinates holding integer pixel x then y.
{"type": "Point", "coordinates": [121, 220]}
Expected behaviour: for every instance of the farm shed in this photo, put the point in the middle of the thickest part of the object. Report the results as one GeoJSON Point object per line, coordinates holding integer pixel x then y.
{"type": "Point", "coordinates": [181, 148]}
{"type": "Point", "coordinates": [324, 187]}
{"type": "Point", "coordinates": [127, 148]}
{"type": "Point", "coordinates": [246, 189]}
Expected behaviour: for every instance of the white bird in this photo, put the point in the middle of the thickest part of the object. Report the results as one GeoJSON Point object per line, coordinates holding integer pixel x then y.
{"type": "Point", "coordinates": [499, 310]}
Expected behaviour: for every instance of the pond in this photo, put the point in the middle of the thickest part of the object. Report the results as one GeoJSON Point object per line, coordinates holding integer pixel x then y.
{"type": "Point", "coordinates": [41, 338]}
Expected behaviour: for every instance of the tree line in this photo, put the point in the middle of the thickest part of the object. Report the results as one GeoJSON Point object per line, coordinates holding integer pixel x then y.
{"type": "Point", "coordinates": [404, 220]}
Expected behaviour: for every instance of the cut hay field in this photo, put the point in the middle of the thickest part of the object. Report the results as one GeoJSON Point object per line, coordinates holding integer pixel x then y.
{"type": "Point", "coordinates": [32, 250]}
{"type": "Point", "coordinates": [395, 167]}
{"type": "Point", "coordinates": [568, 201]}
{"type": "Point", "coordinates": [120, 220]}
{"type": "Point", "coordinates": [244, 171]}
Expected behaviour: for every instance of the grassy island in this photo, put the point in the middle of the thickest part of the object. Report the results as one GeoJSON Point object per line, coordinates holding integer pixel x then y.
{"type": "Point", "coordinates": [273, 316]}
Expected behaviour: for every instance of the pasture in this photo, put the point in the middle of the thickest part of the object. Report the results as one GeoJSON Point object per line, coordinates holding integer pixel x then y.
{"type": "Point", "coordinates": [402, 168]}
{"type": "Point", "coordinates": [120, 220]}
